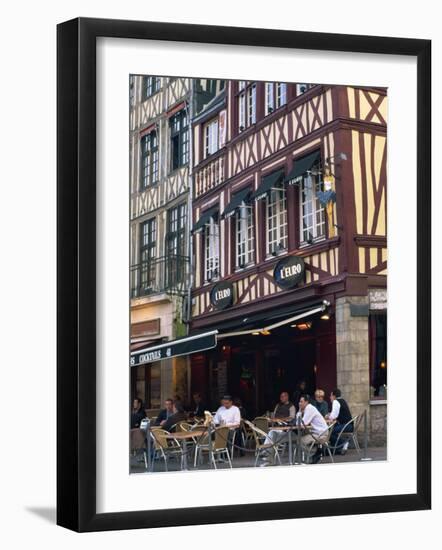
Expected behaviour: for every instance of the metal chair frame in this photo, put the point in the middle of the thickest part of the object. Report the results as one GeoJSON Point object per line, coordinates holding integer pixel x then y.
{"type": "Point", "coordinates": [319, 442]}
{"type": "Point", "coordinates": [260, 436]}
{"type": "Point", "coordinates": [219, 446]}
{"type": "Point", "coordinates": [344, 434]}
{"type": "Point", "coordinates": [163, 448]}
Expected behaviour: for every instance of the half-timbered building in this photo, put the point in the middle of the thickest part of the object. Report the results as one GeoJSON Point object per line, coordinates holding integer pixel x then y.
{"type": "Point", "coordinates": [289, 243]}
{"type": "Point", "coordinates": [159, 231]}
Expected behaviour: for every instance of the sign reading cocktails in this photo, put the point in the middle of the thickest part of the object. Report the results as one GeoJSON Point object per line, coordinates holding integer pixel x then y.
{"type": "Point", "coordinates": [289, 271]}
{"type": "Point", "coordinates": [221, 295]}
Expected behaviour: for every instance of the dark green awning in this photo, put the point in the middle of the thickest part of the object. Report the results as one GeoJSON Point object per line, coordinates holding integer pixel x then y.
{"type": "Point", "coordinates": [175, 348]}
{"type": "Point", "coordinates": [205, 218]}
{"type": "Point", "coordinates": [267, 183]}
{"type": "Point", "coordinates": [301, 166]}
{"type": "Point", "coordinates": [235, 202]}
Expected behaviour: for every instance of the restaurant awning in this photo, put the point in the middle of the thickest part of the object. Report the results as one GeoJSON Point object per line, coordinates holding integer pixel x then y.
{"type": "Point", "coordinates": [181, 346]}
{"type": "Point", "coordinates": [268, 182]}
{"type": "Point", "coordinates": [270, 322]}
{"type": "Point", "coordinates": [302, 166]}
{"type": "Point", "coordinates": [205, 218]}
{"type": "Point", "coordinates": [140, 344]}
{"type": "Point", "coordinates": [235, 203]}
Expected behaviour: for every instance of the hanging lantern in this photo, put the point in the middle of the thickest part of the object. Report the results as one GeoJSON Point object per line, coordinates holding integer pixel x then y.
{"type": "Point", "coordinates": [327, 198]}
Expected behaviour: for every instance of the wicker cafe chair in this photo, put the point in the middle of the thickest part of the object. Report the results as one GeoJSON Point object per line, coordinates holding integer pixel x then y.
{"type": "Point", "coordinates": [219, 445]}
{"type": "Point", "coordinates": [247, 434]}
{"type": "Point", "coordinates": [260, 444]}
{"type": "Point", "coordinates": [184, 426]}
{"type": "Point", "coordinates": [346, 435]}
{"type": "Point", "coordinates": [137, 440]}
{"type": "Point", "coordinates": [262, 423]}
{"type": "Point", "coordinates": [322, 442]}
{"type": "Point", "coordinates": [163, 447]}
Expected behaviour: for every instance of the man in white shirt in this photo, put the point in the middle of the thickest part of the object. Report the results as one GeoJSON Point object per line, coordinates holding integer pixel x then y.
{"type": "Point", "coordinates": [228, 414]}
{"type": "Point", "coordinates": [340, 414]}
{"type": "Point", "coordinates": [312, 418]}
{"type": "Point", "coordinates": [336, 408]}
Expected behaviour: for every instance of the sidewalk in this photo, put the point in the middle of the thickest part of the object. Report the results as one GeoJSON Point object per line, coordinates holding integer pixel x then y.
{"type": "Point", "coordinates": [248, 461]}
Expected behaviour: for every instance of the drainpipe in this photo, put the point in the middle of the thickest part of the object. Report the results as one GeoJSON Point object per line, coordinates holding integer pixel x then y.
{"type": "Point", "coordinates": [189, 207]}
{"type": "Point", "coordinates": [189, 108]}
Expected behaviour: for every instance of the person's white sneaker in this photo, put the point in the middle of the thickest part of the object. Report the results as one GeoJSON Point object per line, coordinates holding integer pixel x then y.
{"type": "Point", "coordinates": [345, 447]}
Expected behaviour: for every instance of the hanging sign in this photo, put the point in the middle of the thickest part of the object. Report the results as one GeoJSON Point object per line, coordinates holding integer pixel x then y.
{"type": "Point", "coordinates": [289, 271]}
{"type": "Point", "coordinates": [221, 295]}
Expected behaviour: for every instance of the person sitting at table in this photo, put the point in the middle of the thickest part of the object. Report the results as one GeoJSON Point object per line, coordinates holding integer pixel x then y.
{"type": "Point", "coordinates": [178, 416]}
{"type": "Point", "coordinates": [199, 407]}
{"type": "Point", "coordinates": [228, 414]}
{"type": "Point", "coordinates": [310, 417]}
{"type": "Point", "coordinates": [313, 419]}
{"type": "Point", "coordinates": [320, 403]}
{"type": "Point", "coordinates": [285, 408]}
{"type": "Point", "coordinates": [164, 413]}
{"type": "Point", "coordinates": [341, 413]}
{"type": "Point", "coordinates": [137, 413]}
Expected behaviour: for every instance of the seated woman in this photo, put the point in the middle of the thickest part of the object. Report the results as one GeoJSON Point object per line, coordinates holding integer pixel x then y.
{"type": "Point", "coordinates": [320, 403]}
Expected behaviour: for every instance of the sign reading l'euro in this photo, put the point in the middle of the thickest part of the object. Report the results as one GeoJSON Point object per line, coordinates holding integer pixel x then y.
{"type": "Point", "coordinates": [222, 295]}
{"type": "Point", "coordinates": [289, 271]}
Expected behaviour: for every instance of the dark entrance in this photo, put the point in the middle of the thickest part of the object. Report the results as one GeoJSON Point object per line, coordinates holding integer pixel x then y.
{"type": "Point", "coordinates": [285, 366]}
{"type": "Point", "coordinates": [256, 368]}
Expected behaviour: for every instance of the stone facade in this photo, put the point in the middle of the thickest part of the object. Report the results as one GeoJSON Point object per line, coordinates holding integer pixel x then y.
{"type": "Point", "coordinates": [378, 423]}
{"type": "Point", "coordinates": [352, 353]}
{"type": "Point", "coordinates": [353, 365]}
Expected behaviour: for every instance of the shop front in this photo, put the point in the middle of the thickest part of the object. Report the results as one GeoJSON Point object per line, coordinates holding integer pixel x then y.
{"type": "Point", "coordinates": [256, 367]}
{"type": "Point", "coordinates": [268, 347]}
{"type": "Point", "coordinates": [154, 379]}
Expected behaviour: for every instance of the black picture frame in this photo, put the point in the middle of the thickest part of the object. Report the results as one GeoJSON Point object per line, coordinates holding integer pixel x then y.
{"type": "Point", "coordinates": [76, 273]}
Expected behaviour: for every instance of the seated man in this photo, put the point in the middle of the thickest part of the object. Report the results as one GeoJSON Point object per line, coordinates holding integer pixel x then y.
{"type": "Point", "coordinates": [285, 408]}
{"type": "Point", "coordinates": [228, 415]}
{"type": "Point", "coordinates": [177, 416]}
{"type": "Point", "coordinates": [341, 413]}
{"type": "Point", "coordinates": [312, 418]}
{"type": "Point", "coordinates": [199, 407]}
{"type": "Point", "coordinates": [164, 413]}
{"type": "Point", "coordinates": [320, 403]}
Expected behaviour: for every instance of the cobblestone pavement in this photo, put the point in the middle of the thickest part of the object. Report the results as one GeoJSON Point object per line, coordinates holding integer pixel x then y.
{"type": "Point", "coordinates": [247, 461]}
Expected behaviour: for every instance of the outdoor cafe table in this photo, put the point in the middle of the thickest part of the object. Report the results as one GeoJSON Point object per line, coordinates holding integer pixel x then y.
{"type": "Point", "coordinates": [290, 429]}
{"type": "Point", "coordinates": [182, 438]}
{"type": "Point", "coordinates": [279, 420]}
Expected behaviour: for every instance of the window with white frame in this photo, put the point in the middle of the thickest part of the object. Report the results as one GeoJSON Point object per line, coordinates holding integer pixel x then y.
{"type": "Point", "coordinates": [275, 96]}
{"type": "Point", "coordinates": [245, 243]}
{"type": "Point", "coordinates": [276, 206]}
{"type": "Point", "coordinates": [211, 137]}
{"type": "Point", "coordinates": [246, 104]}
{"type": "Point", "coordinates": [211, 249]}
{"type": "Point", "coordinates": [312, 214]}
{"type": "Point", "coordinates": [281, 94]}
